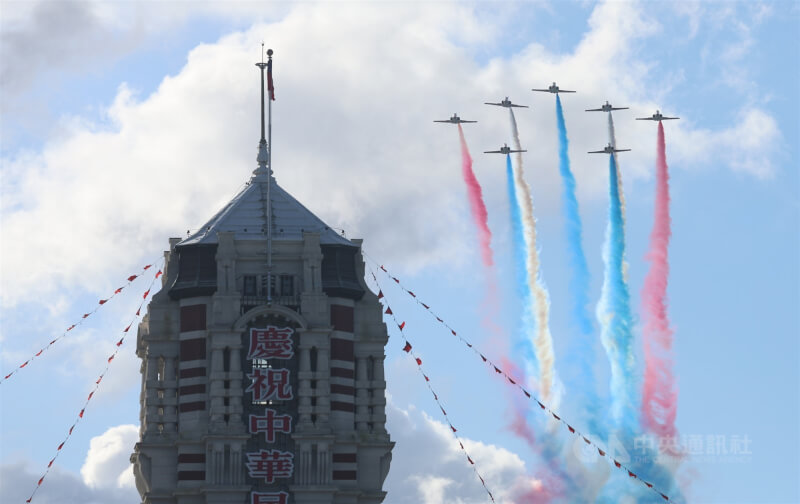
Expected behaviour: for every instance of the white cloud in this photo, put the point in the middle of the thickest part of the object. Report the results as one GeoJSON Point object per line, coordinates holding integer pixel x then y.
{"type": "Point", "coordinates": [107, 463]}
{"type": "Point", "coordinates": [18, 480]}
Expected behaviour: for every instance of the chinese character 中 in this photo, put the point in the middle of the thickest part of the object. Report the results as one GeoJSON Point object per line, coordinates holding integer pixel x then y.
{"type": "Point", "coordinates": [271, 343]}
{"type": "Point", "coordinates": [270, 383]}
{"type": "Point", "coordinates": [270, 423]}
{"type": "Point", "coordinates": [270, 464]}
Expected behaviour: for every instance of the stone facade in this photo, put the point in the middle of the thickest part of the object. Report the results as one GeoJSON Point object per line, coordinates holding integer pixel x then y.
{"type": "Point", "coordinates": [196, 410]}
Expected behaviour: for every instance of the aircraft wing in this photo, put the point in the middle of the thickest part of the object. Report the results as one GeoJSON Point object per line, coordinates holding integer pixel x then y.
{"type": "Point", "coordinates": [520, 106]}
{"type": "Point", "coordinates": [596, 110]}
{"type": "Point", "coordinates": [596, 152]}
{"type": "Point", "coordinates": [619, 108]}
{"type": "Point", "coordinates": [621, 150]}
{"type": "Point", "coordinates": [442, 121]}
{"type": "Point", "coordinates": [566, 91]}
{"type": "Point", "coordinates": [490, 103]}
{"type": "Point", "coordinates": [667, 118]}
{"type": "Point", "coordinates": [492, 152]}
{"type": "Point", "coordinates": [518, 150]}
{"type": "Point", "coordinates": [645, 118]}
{"type": "Point", "coordinates": [542, 90]}
{"type": "Point", "coordinates": [463, 121]}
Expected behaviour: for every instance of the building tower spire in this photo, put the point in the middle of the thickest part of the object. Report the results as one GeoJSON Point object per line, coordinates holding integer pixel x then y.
{"type": "Point", "coordinates": [264, 158]}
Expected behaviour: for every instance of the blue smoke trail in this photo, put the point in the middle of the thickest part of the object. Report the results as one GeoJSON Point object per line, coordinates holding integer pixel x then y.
{"type": "Point", "coordinates": [520, 258]}
{"type": "Point", "coordinates": [579, 283]}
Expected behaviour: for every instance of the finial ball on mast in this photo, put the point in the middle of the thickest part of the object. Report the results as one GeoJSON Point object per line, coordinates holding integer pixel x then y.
{"type": "Point", "coordinates": [269, 52]}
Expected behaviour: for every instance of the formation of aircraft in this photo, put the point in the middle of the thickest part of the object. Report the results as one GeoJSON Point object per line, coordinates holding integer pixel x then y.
{"type": "Point", "coordinates": [454, 120]}
{"type": "Point", "coordinates": [608, 149]}
{"type": "Point", "coordinates": [553, 89]}
{"type": "Point", "coordinates": [506, 103]}
{"type": "Point", "coordinates": [606, 107]}
{"type": "Point", "coordinates": [505, 149]}
{"type": "Point", "coordinates": [656, 117]}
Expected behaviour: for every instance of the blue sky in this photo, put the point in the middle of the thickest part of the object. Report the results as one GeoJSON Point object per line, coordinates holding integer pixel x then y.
{"type": "Point", "coordinates": [125, 124]}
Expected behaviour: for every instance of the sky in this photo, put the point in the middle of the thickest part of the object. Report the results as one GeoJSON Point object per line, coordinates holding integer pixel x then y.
{"type": "Point", "coordinates": [123, 124]}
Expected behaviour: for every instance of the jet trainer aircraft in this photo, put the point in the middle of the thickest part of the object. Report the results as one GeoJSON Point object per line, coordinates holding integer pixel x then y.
{"type": "Point", "coordinates": [607, 107]}
{"type": "Point", "coordinates": [553, 89]}
{"type": "Point", "coordinates": [506, 103]}
{"type": "Point", "coordinates": [608, 149]}
{"type": "Point", "coordinates": [505, 149]}
{"type": "Point", "coordinates": [656, 117]}
{"type": "Point", "coordinates": [454, 120]}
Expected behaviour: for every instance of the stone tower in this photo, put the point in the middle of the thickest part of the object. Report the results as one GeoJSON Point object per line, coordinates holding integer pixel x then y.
{"type": "Point", "coordinates": [262, 362]}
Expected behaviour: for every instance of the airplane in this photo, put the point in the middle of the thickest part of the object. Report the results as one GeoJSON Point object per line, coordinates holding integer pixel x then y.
{"type": "Point", "coordinates": [608, 149]}
{"type": "Point", "coordinates": [505, 149]}
{"type": "Point", "coordinates": [656, 117]}
{"type": "Point", "coordinates": [607, 107]}
{"type": "Point", "coordinates": [506, 103]}
{"type": "Point", "coordinates": [454, 120]}
{"type": "Point", "coordinates": [553, 89]}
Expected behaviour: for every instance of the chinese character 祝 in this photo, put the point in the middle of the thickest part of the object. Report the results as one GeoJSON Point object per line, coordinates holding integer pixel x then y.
{"type": "Point", "coordinates": [271, 343]}
{"type": "Point", "coordinates": [270, 464]}
{"type": "Point", "coordinates": [270, 383]}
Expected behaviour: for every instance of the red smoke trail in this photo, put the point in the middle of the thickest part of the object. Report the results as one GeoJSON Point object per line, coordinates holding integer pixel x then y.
{"type": "Point", "coordinates": [476, 205]}
{"type": "Point", "coordinates": [659, 405]}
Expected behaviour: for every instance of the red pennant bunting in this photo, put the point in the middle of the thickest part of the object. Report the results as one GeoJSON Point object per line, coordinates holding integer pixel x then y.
{"type": "Point", "coordinates": [132, 278]}
{"type": "Point", "coordinates": [144, 296]}
{"type": "Point", "coordinates": [85, 315]}
{"type": "Point", "coordinates": [617, 464]}
{"type": "Point", "coordinates": [571, 428]}
{"type": "Point", "coordinates": [119, 343]}
{"type": "Point", "coordinates": [71, 327]}
{"type": "Point", "coordinates": [147, 267]}
{"type": "Point", "coordinates": [102, 301]}
{"type": "Point", "coordinates": [80, 415]}
{"type": "Point", "coordinates": [443, 411]}
{"type": "Point", "coordinates": [454, 333]}
{"type": "Point", "coordinates": [388, 310]}
{"type": "Point", "coordinates": [649, 485]}
{"type": "Point", "coordinates": [555, 416]}
{"type": "Point", "coordinates": [496, 369]}
{"type": "Point", "coordinates": [90, 395]}
{"type": "Point", "coordinates": [631, 474]}
{"type": "Point", "coordinates": [469, 345]}
{"type": "Point", "coordinates": [436, 397]}
{"type": "Point", "coordinates": [440, 320]}
{"type": "Point", "coordinates": [39, 353]}
{"type": "Point", "coordinates": [402, 325]}
{"type": "Point", "coordinates": [601, 452]}
{"type": "Point", "coordinates": [587, 441]}
{"type": "Point", "coordinates": [70, 429]}
{"type": "Point", "coordinates": [118, 290]}
{"type": "Point", "coordinates": [426, 377]}
{"type": "Point", "coordinates": [396, 280]}
{"type": "Point", "coordinates": [99, 380]}
{"type": "Point", "coordinates": [128, 328]}
{"type": "Point", "coordinates": [51, 342]}
{"type": "Point", "coordinates": [407, 348]}
{"type": "Point", "coordinates": [540, 405]}
{"type": "Point", "coordinates": [426, 306]}
{"type": "Point", "coordinates": [454, 429]}
{"type": "Point", "coordinates": [384, 269]}
{"type": "Point", "coordinates": [51, 463]}
{"type": "Point", "coordinates": [664, 496]}
{"type": "Point", "coordinates": [38, 484]}
{"type": "Point", "coordinates": [138, 311]}
{"type": "Point", "coordinates": [484, 358]}
{"type": "Point", "coordinates": [528, 394]}
{"type": "Point", "coordinates": [60, 446]}
{"type": "Point", "coordinates": [419, 361]}
{"type": "Point", "coordinates": [110, 358]}
{"type": "Point", "coordinates": [512, 381]}
{"type": "Point", "coordinates": [24, 364]}
{"type": "Point", "coordinates": [158, 274]}
{"type": "Point", "coordinates": [380, 294]}
{"type": "Point", "coordinates": [7, 376]}
{"type": "Point", "coordinates": [412, 294]}
{"type": "Point", "coordinates": [470, 460]}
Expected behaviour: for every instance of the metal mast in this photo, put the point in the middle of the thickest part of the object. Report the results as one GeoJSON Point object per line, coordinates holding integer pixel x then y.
{"type": "Point", "coordinates": [265, 166]}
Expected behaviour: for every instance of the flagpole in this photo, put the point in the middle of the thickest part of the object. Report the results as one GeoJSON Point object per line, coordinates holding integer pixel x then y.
{"type": "Point", "coordinates": [269, 180]}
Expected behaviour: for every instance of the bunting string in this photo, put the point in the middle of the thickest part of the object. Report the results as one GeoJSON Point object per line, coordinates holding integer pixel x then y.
{"type": "Point", "coordinates": [96, 386]}
{"type": "Point", "coordinates": [100, 303]}
{"type": "Point", "coordinates": [499, 370]}
{"type": "Point", "coordinates": [409, 349]}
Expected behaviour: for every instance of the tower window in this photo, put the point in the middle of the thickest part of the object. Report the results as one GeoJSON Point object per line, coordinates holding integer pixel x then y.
{"type": "Point", "coordinates": [249, 286]}
{"type": "Point", "coordinates": [287, 285]}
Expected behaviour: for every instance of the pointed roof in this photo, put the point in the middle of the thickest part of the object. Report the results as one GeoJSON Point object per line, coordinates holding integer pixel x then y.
{"type": "Point", "coordinates": [246, 216]}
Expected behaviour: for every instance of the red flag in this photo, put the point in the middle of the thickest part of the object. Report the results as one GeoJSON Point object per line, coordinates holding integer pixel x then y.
{"type": "Point", "coordinates": [454, 429]}
{"type": "Point", "coordinates": [71, 327]}
{"type": "Point", "coordinates": [85, 315]}
{"type": "Point", "coordinates": [571, 428]}
{"type": "Point", "coordinates": [437, 398]}
{"type": "Point", "coordinates": [454, 333]}
{"type": "Point", "coordinates": [147, 267]}
{"type": "Point", "coordinates": [102, 301]}
{"type": "Point", "coordinates": [402, 325]}
{"type": "Point", "coordinates": [412, 294]}
{"type": "Point", "coordinates": [146, 293]}
{"type": "Point", "coordinates": [90, 395]}
{"type": "Point", "coordinates": [440, 320]}
{"type": "Point", "coordinates": [526, 393]}
{"type": "Point", "coordinates": [396, 280]}
{"type": "Point", "coordinates": [484, 358]}
{"type": "Point", "coordinates": [443, 411]}
{"type": "Point", "coordinates": [111, 358]}
{"type": "Point", "coordinates": [649, 485]}
{"type": "Point", "coordinates": [119, 343]}
{"type": "Point", "coordinates": [9, 374]}
{"type": "Point", "coordinates": [128, 328]}
{"type": "Point", "coordinates": [407, 348]}
{"type": "Point", "coordinates": [158, 274]}
{"type": "Point", "coordinates": [138, 311]}
{"type": "Point", "coordinates": [540, 405]}
{"type": "Point", "coordinates": [60, 446]}
{"type": "Point", "coordinates": [80, 415]}
{"type": "Point", "coordinates": [470, 460]}
{"type": "Point", "coordinates": [664, 496]}
{"type": "Point", "coordinates": [39, 352]}
{"type": "Point", "coordinates": [426, 377]}
{"type": "Point", "coordinates": [512, 381]}
{"type": "Point", "coordinates": [419, 361]}
{"type": "Point", "coordinates": [132, 278]}
{"type": "Point", "coordinates": [38, 484]}
{"type": "Point", "coordinates": [118, 290]}
{"type": "Point", "coordinates": [587, 441]}
{"type": "Point", "coordinates": [617, 464]}
{"type": "Point", "coordinates": [271, 86]}
{"type": "Point", "coordinates": [24, 364]}
{"type": "Point", "coordinates": [388, 310]}
{"type": "Point", "coordinates": [601, 452]}
{"type": "Point", "coordinates": [631, 474]}
{"type": "Point", "coordinates": [384, 269]}
{"type": "Point", "coordinates": [426, 306]}
{"type": "Point", "coordinates": [380, 294]}
{"type": "Point", "coordinates": [70, 429]}
{"type": "Point", "coordinates": [51, 463]}
{"type": "Point", "coordinates": [556, 416]}
{"type": "Point", "coordinates": [469, 345]}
